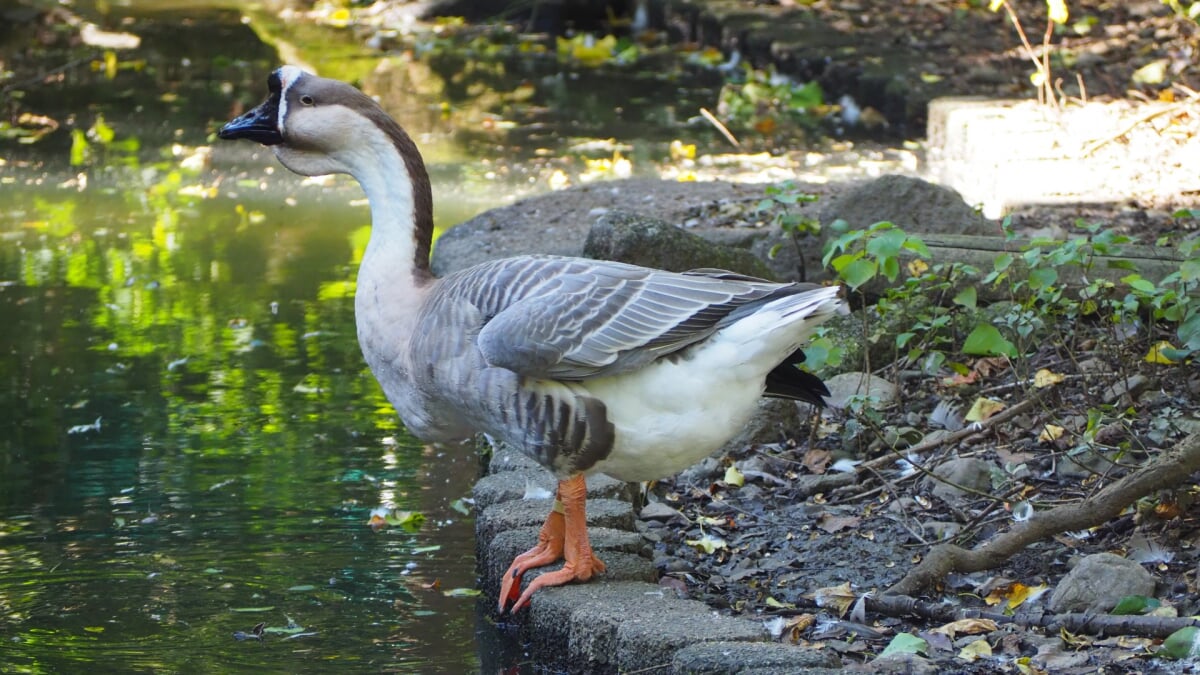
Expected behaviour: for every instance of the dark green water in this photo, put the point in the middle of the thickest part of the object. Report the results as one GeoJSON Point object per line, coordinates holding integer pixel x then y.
{"type": "Point", "coordinates": [192, 446]}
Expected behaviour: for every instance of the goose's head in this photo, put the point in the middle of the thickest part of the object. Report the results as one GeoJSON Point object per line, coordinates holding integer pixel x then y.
{"type": "Point", "coordinates": [318, 126]}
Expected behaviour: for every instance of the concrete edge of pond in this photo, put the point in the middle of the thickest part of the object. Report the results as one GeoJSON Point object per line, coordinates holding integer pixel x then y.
{"type": "Point", "coordinates": [621, 621]}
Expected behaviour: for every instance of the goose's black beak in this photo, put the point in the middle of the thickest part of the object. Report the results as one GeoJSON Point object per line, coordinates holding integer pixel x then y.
{"type": "Point", "coordinates": [260, 124]}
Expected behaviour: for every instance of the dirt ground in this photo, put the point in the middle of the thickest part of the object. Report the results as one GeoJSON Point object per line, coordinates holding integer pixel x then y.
{"type": "Point", "coordinates": [783, 544]}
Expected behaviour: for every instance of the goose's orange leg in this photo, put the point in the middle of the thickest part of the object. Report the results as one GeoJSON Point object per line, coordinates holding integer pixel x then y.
{"type": "Point", "coordinates": [564, 535]}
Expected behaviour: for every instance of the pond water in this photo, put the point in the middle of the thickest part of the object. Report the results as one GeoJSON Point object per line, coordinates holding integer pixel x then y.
{"type": "Point", "coordinates": [192, 444]}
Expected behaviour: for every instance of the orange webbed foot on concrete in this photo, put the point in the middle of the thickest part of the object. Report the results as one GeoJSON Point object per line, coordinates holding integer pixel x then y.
{"type": "Point", "coordinates": [564, 535]}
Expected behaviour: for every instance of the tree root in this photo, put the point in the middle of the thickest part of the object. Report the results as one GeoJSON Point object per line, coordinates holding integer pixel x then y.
{"type": "Point", "coordinates": [1165, 471]}
{"type": "Point", "coordinates": [1035, 617]}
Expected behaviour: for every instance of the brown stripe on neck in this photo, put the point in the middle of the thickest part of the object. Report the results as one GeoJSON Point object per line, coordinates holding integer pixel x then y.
{"type": "Point", "coordinates": [422, 193]}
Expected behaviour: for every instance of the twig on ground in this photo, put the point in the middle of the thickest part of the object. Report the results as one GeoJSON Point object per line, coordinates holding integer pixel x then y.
{"type": "Point", "coordinates": [1086, 622]}
{"type": "Point", "coordinates": [712, 119]}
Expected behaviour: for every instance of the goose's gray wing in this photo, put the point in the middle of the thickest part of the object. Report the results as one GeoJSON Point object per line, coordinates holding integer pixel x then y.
{"type": "Point", "coordinates": [569, 319]}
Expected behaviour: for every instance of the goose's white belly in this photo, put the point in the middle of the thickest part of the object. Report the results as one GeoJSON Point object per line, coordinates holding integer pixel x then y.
{"type": "Point", "coordinates": [673, 414]}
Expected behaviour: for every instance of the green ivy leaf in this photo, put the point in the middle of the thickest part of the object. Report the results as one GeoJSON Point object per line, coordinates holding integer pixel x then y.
{"type": "Point", "coordinates": [1042, 277]}
{"type": "Point", "coordinates": [886, 245]}
{"type": "Point", "coordinates": [986, 340]}
{"type": "Point", "coordinates": [966, 297]}
{"type": "Point", "coordinates": [858, 273]}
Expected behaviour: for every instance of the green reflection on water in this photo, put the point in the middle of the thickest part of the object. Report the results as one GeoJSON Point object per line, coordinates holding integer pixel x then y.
{"type": "Point", "coordinates": [192, 432]}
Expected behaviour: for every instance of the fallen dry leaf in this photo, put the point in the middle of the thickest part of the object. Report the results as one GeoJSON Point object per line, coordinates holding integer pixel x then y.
{"type": "Point", "coordinates": [816, 460]}
{"type": "Point", "coordinates": [1051, 433]}
{"type": "Point", "coordinates": [838, 597]}
{"type": "Point", "coordinates": [831, 523]}
{"type": "Point", "coordinates": [979, 649]}
{"type": "Point", "coordinates": [1045, 378]}
{"type": "Point", "coordinates": [1155, 355]}
{"type": "Point", "coordinates": [983, 408]}
{"type": "Point", "coordinates": [966, 627]}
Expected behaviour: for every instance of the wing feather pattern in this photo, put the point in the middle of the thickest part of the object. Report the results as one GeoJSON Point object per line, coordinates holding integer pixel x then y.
{"type": "Point", "coordinates": [572, 319]}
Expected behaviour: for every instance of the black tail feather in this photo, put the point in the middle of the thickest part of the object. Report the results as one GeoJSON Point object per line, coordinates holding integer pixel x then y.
{"type": "Point", "coordinates": [786, 380]}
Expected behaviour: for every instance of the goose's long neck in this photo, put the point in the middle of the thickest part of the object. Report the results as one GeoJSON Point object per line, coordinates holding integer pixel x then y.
{"type": "Point", "coordinates": [393, 176]}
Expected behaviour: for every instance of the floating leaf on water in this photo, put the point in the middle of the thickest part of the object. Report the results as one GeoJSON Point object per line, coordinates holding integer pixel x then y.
{"type": "Point", "coordinates": [284, 630]}
{"type": "Point", "coordinates": [460, 505]}
{"type": "Point", "coordinates": [462, 592]}
{"type": "Point", "coordinates": [85, 428]}
{"type": "Point", "coordinates": [255, 633]}
{"type": "Point", "coordinates": [409, 521]}
{"type": "Point", "coordinates": [251, 610]}
{"type": "Point", "coordinates": [94, 629]}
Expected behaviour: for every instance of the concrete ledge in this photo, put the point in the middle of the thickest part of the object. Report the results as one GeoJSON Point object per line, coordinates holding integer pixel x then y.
{"type": "Point", "coordinates": [1100, 152]}
{"type": "Point", "coordinates": [509, 485]}
{"type": "Point", "coordinates": [621, 621]}
{"type": "Point", "coordinates": [717, 658]}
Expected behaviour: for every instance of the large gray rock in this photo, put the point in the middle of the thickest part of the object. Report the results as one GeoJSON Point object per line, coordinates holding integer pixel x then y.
{"type": "Point", "coordinates": [912, 204]}
{"type": "Point", "coordinates": [1098, 582]}
{"type": "Point", "coordinates": [649, 242]}
{"type": "Point", "coordinates": [846, 385]}
{"type": "Point", "coordinates": [558, 223]}
{"type": "Point", "coordinates": [968, 472]}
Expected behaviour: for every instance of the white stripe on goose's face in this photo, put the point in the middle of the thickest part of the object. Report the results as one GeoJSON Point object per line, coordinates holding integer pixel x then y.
{"type": "Point", "coordinates": [288, 75]}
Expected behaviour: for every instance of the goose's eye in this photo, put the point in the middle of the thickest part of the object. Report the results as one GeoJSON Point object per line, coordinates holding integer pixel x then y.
{"type": "Point", "coordinates": [306, 99]}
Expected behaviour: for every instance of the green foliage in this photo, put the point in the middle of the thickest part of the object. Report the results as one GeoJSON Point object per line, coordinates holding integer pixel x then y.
{"type": "Point", "coordinates": [101, 139]}
{"type": "Point", "coordinates": [859, 256]}
{"type": "Point", "coordinates": [762, 100]}
{"type": "Point", "coordinates": [934, 312]}
{"type": "Point", "coordinates": [782, 207]}
{"type": "Point", "coordinates": [1189, 9]}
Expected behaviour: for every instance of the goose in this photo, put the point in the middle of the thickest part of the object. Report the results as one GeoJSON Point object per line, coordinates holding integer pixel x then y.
{"type": "Point", "coordinates": [587, 366]}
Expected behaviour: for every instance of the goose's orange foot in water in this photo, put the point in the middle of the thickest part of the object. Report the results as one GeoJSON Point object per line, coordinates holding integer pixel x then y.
{"type": "Point", "coordinates": [564, 535]}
